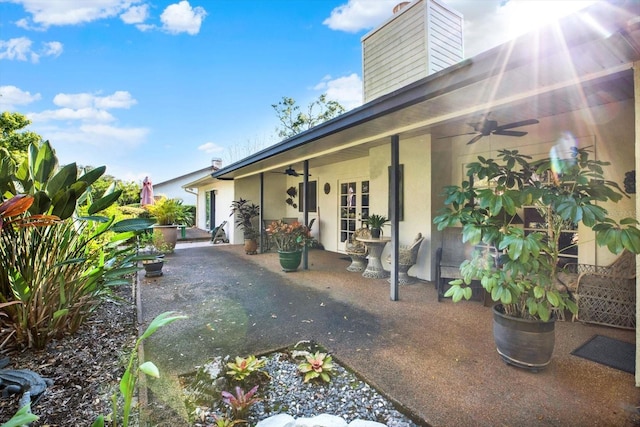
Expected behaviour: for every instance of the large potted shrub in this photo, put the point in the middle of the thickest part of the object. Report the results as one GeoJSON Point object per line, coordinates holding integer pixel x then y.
{"type": "Point", "coordinates": [168, 213]}
{"type": "Point", "coordinates": [290, 239]}
{"type": "Point", "coordinates": [245, 213]}
{"type": "Point", "coordinates": [519, 268]}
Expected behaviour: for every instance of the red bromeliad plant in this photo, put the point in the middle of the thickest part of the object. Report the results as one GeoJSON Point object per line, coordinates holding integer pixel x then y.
{"type": "Point", "coordinates": [241, 402]}
{"type": "Point", "coordinates": [290, 237]}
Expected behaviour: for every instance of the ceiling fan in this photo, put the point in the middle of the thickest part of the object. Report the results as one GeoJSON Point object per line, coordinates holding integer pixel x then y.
{"type": "Point", "coordinates": [490, 127]}
{"type": "Point", "coordinates": [290, 171]}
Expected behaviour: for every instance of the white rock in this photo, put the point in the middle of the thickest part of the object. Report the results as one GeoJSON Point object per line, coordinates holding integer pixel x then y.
{"type": "Point", "coordinates": [363, 423]}
{"type": "Point", "coordinates": [280, 420]}
{"type": "Point", "coordinates": [322, 420]}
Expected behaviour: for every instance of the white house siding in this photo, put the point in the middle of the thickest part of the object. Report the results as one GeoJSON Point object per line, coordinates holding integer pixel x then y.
{"type": "Point", "coordinates": [172, 188]}
{"type": "Point", "coordinates": [445, 39]}
{"type": "Point", "coordinates": [423, 38]}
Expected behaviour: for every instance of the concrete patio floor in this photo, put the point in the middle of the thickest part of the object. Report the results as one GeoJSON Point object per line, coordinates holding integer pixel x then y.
{"type": "Point", "coordinates": [437, 359]}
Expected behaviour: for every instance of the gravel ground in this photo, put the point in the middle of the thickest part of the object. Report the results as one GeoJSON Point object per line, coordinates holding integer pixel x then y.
{"type": "Point", "coordinates": [286, 393]}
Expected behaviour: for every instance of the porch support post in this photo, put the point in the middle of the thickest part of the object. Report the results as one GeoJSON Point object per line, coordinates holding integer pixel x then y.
{"type": "Point", "coordinates": [261, 217]}
{"type": "Point", "coordinates": [305, 211]}
{"type": "Point", "coordinates": [394, 209]}
{"type": "Point", "coordinates": [636, 85]}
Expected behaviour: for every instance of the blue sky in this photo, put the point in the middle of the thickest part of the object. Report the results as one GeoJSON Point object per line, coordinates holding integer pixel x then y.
{"type": "Point", "coordinates": [160, 87]}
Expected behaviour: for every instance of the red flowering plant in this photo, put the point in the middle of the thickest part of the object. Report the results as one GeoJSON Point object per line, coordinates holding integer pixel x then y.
{"type": "Point", "coordinates": [290, 237]}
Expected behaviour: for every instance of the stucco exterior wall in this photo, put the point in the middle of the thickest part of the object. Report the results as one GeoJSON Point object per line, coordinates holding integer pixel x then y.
{"type": "Point", "coordinates": [249, 189]}
{"type": "Point", "coordinates": [415, 156]}
{"type": "Point", "coordinates": [224, 196]}
{"type": "Point", "coordinates": [327, 216]}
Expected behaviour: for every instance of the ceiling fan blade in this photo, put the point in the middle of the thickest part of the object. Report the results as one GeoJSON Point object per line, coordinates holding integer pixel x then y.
{"type": "Point", "coordinates": [460, 134]}
{"type": "Point", "coordinates": [474, 139]}
{"type": "Point", "coordinates": [518, 124]}
{"type": "Point", "coordinates": [510, 133]}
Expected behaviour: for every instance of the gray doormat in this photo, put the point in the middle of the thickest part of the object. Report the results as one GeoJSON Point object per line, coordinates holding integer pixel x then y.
{"type": "Point", "coordinates": [610, 352]}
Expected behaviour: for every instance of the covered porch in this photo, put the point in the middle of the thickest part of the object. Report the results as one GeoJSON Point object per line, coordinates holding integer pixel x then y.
{"type": "Point", "coordinates": [577, 79]}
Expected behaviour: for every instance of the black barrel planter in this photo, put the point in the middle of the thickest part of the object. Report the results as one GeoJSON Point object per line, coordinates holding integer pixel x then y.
{"type": "Point", "coordinates": [523, 343]}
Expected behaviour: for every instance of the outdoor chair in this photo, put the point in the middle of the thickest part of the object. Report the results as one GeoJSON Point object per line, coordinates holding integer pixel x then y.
{"type": "Point", "coordinates": [218, 235]}
{"type": "Point", "coordinates": [606, 295]}
{"type": "Point", "coordinates": [357, 250]}
{"type": "Point", "coordinates": [449, 256]}
{"type": "Point", "coordinates": [407, 256]}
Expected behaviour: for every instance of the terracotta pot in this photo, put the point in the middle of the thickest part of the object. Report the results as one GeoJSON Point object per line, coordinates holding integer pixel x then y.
{"type": "Point", "coordinates": [250, 246]}
{"type": "Point", "coordinates": [169, 234]}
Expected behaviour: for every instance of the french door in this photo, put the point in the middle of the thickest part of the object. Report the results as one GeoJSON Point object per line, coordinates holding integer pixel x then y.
{"type": "Point", "coordinates": [354, 207]}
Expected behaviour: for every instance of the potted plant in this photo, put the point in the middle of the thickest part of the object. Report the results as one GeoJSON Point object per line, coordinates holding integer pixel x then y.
{"type": "Point", "coordinates": [168, 213]}
{"type": "Point", "coordinates": [519, 268]}
{"type": "Point", "coordinates": [290, 239]}
{"type": "Point", "coordinates": [376, 222]}
{"type": "Point", "coordinates": [152, 249]}
{"type": "Point", "coordinates": [245, 212]}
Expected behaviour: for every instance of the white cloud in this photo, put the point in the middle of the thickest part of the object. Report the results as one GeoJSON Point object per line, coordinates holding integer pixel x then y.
{"type": "Point", "coordinates": [93, 144]}
{"type": "Point", "coordinates": [45, 13]}
{"type": "Point", "coordinates": [85, 107]}
{"type": "Point", "coordinates": [176, 18]}
{"type": "Point", "coordinates": [76, 100]}
{"type": "Point", "coordinates": [15, 49]}
{"type": "Point", "coordinates": [135, 14]}
{"type": "Point", "coordinates": [359, 15]}
{"type": "Point", "coordinates": [52, 49]}
{"type": "Point", "coordinates": [66, 114]}
{"type": "Point", "coordinates": [111, 134]}
{"type": "Point", "coordinates": [182, 18]}
{"type": "Point", "coordinates": [119, 99]}
{"type": "Point", "coordinates": [11, 96]}
{"type": "Point", "coordinates": [346, 90]}
{"type": "Point", "coordinates": [211, 147]}
{"type": "Point", "coordinates": [20, 49]}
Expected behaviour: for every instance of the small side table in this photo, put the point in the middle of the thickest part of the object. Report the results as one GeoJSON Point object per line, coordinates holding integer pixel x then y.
{"type": "Point", "coordinates": [375, 247]}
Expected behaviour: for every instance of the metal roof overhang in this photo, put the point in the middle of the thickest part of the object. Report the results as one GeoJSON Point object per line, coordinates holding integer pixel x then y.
{"type": "Point", "coordinates": [556, 70]}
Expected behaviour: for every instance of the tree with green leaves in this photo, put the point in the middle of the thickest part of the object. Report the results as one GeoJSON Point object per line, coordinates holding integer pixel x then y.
{"type": "Point", "coordinates": [293, 120]}
{"type": "Point", "coordinates": [13, 143]}
{"type": "Point", "coordinates": [130, 190]}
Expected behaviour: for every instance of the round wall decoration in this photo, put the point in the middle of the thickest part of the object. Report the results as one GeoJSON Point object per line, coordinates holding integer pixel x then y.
{"type": "Point", "coordinates": [327, 188]}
